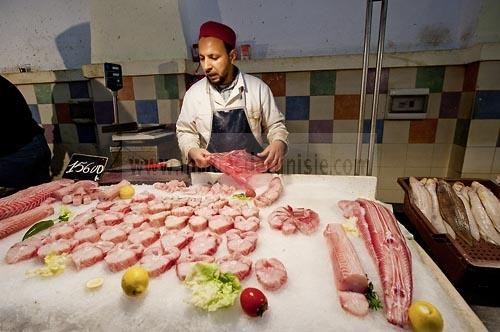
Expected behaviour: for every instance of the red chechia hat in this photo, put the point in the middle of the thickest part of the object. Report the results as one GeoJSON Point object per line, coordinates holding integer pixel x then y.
{"type": "Point", "coordinates": [218, 30]}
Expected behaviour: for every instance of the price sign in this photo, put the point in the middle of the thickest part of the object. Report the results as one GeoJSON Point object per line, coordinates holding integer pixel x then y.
{"type": "Point", "coordinates": [85, 167]}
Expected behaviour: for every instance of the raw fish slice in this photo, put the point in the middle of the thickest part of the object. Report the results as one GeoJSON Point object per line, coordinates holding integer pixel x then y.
{"type": "Point", "coordinates": [349, 275]}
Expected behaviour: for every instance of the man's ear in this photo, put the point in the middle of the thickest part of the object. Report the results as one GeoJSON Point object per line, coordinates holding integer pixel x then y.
{"type": "Point", "coordinates": [233, 55]}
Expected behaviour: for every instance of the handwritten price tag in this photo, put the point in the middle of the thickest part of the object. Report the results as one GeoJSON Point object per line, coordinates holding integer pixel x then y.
{"type": "Point", "coordinates": [85, 167]}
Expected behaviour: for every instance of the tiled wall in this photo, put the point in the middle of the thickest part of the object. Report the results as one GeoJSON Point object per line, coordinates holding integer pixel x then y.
{"type": "Point", "coordinates": [459, 137]}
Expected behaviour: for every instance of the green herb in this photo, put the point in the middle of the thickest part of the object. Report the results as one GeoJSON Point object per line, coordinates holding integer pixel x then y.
{"type": "Point", "coordinates": [38, 227]}
{"type": "Point", "coordinates": [64, 214]}
{"type": "Point", "coordinates": [241, 197]}
{"type": "Point", "coordinates": [374, 302]}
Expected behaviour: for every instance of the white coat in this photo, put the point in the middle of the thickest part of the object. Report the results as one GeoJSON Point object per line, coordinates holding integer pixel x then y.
{"type": "Point", "coordinates": [194, 125]}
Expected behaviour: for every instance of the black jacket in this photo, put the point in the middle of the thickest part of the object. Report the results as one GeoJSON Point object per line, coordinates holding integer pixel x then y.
{"type": "Point", "coordinates": [17, 127]}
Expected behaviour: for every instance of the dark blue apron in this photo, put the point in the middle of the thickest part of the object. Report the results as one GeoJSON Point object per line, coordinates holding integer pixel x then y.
{"type": "Point", "coordinates": [231, 130]}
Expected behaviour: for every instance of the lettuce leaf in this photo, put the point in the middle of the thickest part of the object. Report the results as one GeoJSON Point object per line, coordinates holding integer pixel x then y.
{"type": "Point", "coordinates": [210, 288]}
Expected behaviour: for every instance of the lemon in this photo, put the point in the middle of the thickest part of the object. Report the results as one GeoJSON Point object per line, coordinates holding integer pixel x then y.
{"type": "Point", "coordinates": [94, 283]}
{"type": "Point", "coordinates": [135, 281]}
{"type": "Point", "coordinates": [127, 192]}
{"type": "Point", "coordinates": [425, 317]}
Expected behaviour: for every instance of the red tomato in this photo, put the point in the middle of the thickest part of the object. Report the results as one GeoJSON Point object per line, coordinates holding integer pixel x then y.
{"type": "Point", "coordinates": [249, 192]}
{"type": "Point", "coordinates": [253, 302]}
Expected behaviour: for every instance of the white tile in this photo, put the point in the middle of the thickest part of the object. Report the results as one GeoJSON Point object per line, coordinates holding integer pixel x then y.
{"type": "Point", "coordinates": [483, 133]}
{"type": "Point", "coordinates": [321, 108]}
{"type": "Point", "coordinates": [439, 172]}
{"type": "Point", "coordinates": [280, 103]}
{"type": "Point", "coordinates": [418, 171]}
{"type": "Point", "coordinates": [441, 155]}
{"type": "Point", "coordinates": [348, 82]}
{"type": "Point", "coordinates": [144, 87]}
{"type": "Point", "coordinates": [98, 90]}
{"type": "Point", "coordinates": [433, 105]}
{"type": "Point", "coordinates": [47, 113]}
{"type": "Point", "coordinates": [181, 85]}
{"type": "Point", "coordinates": [400, 78]}
{"type": "Point", "coordinates": [127, 111]}
{"type": "Point", "coordinates": [478, 159]}
{"type": "Point", "coordinates": [496, 161]}
{"type": "Point", "coordinates": [298, 83]}
{"type": "Point", "coordinates": [388, 177]}
{"type": "Point", "coordinates": [419, 155]}
{"type": "Point", "coordinates": [320, 155]}
{"type": "Point", "coordinates": [343, 156]}
{"type": "Point", "coordinates": [390, 195]}
{"type": "Point", "coordinates": [396, 131]}
{"type": "Point", "coordinates": [28, 91]}
{"type": "Point", "coordinates": [168, 110]}
{"type": "Point", "coordinates": [445, 131]}
{"type": "Point", "coordinates": [345, 131]}
{"type": "Point", "coordinates": [487, 77]}
{"type": "Point", "coordinates": [393, 154]}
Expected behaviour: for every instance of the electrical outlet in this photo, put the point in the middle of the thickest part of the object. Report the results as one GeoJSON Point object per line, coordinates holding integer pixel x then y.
{"type": "Point", "coordinates": [407, 104]}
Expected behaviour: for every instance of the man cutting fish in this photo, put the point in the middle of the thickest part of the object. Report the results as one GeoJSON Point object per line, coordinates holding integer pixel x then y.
{"type": "Point", "coordinates": [228, 109]}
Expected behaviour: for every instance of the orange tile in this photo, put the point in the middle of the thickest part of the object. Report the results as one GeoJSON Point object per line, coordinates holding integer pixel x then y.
{"type": "Point", "coordinates": [423, 131]}
{"type": "Point", "coordinates": [346, 107]}
{"type": "Point", "coordinates": [127, 92]}
{"type": "Point", "coordinates": [276, 82]}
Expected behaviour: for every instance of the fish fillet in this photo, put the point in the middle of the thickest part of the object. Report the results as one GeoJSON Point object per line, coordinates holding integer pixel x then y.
{"type": "Point", "coordinates": [350, 277]}
{"type": "Point", "coordinates": [461, 191]}
{"type": "Point", "coordinates": [486, 227]}
{"type": "Point", "coordinates": [16, 223]}
{"type": "Point", "coordinates": [383, 238]}
{"type": "Point", "coordinates": [436, 219]}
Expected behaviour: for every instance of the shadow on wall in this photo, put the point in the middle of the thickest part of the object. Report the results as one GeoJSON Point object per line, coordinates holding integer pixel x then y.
{"type": "Point", "coordinates": [74, 45]}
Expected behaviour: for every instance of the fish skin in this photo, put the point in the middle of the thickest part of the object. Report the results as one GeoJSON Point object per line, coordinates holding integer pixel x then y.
{"type": "Point", "coordinates": [453, 211]}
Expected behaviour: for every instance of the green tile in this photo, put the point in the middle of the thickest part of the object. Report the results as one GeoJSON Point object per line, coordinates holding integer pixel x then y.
{"type": "Point", "coordinates": [166, 87]}
{"type": "Point", "coordinates": [43, 93]}
{"type": "Point", "coordinates": [323, 82]}
{"type": "Point", "coordinates": [430, 77]}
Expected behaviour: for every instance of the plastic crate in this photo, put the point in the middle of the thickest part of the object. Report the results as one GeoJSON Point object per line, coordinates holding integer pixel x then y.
{"type": "Point", "coordinates": [466, 266]}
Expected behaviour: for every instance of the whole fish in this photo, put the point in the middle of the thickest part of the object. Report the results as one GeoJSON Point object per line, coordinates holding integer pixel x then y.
{"type": "Point", "coordinates": [486, 227]}
{"type": "Point", "coordinates": [421, 197]}
{"type": "Point", "coordinates": [453, 211]}
{"type": "Point", "coordinates": [436, 219]}
{"type": "Point", "coordinates": [461, 191]}
{"type": "Point", "coordinates": [490, 202]}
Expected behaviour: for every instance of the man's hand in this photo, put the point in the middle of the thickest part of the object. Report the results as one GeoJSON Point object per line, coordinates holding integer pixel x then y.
{"type": "Point", "coordinates": [274, 154]}
{"type": "Point", "coordinates": [199, 157]}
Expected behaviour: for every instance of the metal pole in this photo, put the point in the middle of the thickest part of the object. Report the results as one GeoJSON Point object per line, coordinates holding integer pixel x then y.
{"type": "Point", "coordinates": [380, 51]}
{"type": "Point", "coordinates": [366, 54]}
{"type": "Point", "coordinates": [115, 106]}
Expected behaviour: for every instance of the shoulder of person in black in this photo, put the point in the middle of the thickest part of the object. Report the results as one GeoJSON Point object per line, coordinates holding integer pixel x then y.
{"type": "Point", "coordinates": [17, 127]}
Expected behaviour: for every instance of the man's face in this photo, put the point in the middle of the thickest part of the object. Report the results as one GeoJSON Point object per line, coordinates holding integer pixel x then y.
{"type": "Point", "coordinates": [215, 61]}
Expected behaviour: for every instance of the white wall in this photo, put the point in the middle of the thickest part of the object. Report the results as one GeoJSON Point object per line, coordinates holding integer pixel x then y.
{"type": "Point", "coordinates": [48, 34]}
{"type": "Point", "coordinates": [323, 27]}
{"type": "Point", "coordinates": [55, 34]}
{"type": "Point", "coordinates": [128, 30]}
